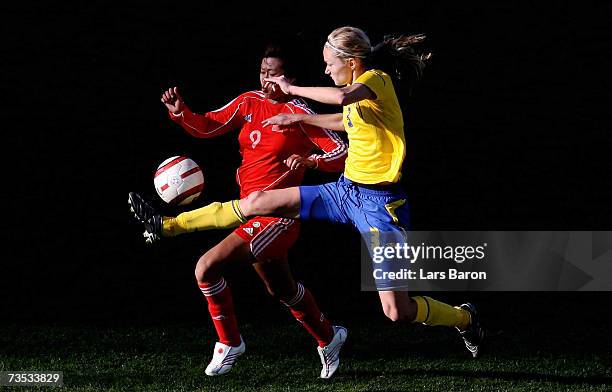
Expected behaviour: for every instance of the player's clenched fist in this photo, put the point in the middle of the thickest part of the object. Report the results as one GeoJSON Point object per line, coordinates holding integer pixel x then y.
{"type": "Point", "coordinates": [173, 101]}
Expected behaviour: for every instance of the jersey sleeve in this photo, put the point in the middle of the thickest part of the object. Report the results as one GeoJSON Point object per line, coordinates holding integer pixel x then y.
{"type": "Point", "coordinates": [375, 81]}
{"type": "Point", "coordinates": [213, 123]}
{"type": "Point", "coordinates": [334, 148]}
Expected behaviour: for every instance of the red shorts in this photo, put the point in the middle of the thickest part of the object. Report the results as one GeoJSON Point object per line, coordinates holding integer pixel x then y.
{"type": "Point", "coordinates": [269, 238]}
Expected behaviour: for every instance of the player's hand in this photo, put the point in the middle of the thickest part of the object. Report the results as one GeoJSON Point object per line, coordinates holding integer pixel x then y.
{"type": "Point", "coordinates": [295, 161]}
{"type": "Point", "coordinates": [281, 81]}
{"type": "Point", "coordinates": [173, 100]}
{"type": "Point", "coordinates": [270, 88]}
{"type": "Point", "coordinates": [282, 120]}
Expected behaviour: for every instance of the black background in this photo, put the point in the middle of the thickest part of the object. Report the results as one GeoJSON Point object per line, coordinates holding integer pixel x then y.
{"type": "Point", "coordinates": [506, 131]}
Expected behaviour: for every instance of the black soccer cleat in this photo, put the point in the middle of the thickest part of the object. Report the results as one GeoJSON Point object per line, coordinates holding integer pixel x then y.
{"type": "Point", "coordinates": [147, 215]}
{"type": "Point", "coordinates": [474, 335]}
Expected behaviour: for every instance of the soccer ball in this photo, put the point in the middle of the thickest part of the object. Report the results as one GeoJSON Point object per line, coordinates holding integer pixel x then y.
{"type": "Point", "coordinates": [178, 180]}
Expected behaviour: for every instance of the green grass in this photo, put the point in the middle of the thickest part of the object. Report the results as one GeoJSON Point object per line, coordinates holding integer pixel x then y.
{"type": "Point", "coordinates": [378, 356]}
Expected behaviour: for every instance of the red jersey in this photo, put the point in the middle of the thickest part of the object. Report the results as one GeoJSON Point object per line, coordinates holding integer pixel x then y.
{"type": "Point", "coordinates": [263, 149]}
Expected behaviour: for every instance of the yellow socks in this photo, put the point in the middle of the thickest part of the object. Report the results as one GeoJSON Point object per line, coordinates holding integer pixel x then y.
{"type": "Point", "coordinates": [432, 312]}
{"type": "Point", "coordinates": [213, 216]}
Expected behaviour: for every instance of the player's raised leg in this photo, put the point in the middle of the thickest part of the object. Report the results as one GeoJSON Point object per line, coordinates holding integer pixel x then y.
{"type": "Point", "coordinates": [278, 202]}
{"type": "Point", "coordinates": [220, 304]}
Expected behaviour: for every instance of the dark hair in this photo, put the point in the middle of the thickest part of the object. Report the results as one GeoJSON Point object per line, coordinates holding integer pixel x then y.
{"type": "Point", "coordinates": [285, 53]}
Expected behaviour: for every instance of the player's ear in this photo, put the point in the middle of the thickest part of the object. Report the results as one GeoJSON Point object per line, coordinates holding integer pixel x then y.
{"type": "Point", "coordinates": [352, 63]}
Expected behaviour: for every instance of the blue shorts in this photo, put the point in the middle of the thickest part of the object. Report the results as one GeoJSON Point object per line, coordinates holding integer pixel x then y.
{"type": "Point", "coordinates": [379, 213]}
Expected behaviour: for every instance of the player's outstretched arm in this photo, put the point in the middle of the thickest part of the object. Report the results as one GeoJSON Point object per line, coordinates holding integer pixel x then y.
{"type": "Point", "coordinates": [173, 101]}
{"type": "Point", "coordinates": [330, 95]}
{"type": "Point", "coordinates": [328, 121]}
{"type": "Point", "coordinates": [207, 125]}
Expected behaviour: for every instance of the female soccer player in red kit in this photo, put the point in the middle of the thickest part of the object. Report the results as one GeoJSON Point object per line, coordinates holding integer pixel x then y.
{"type": "Point", "coordinates": [271, 159]}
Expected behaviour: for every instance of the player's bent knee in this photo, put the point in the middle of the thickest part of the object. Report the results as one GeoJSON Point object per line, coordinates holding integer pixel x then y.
{"type": "Point", "coordinates": [205, 271]}
{"type": "Point", "coordinates": [200, 273]}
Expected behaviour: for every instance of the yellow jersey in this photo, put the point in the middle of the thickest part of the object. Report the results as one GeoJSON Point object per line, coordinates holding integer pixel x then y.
{"type": "Point", "coordinates": [375, 129]}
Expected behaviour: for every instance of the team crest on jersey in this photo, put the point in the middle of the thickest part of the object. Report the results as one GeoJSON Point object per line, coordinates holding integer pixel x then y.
{"type": "Point", "coordinates": [348, 117]}
{"type": "Point", "coordinates": [249, 230]}
{"type": "Point", "coordinates": [248, 117]}
{"type": "Point", "coordinates": [256, 224]}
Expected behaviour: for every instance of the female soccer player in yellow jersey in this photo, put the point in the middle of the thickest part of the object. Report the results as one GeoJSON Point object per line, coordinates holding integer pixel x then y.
{"type": "Point", "coordinates": [367, 195]}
